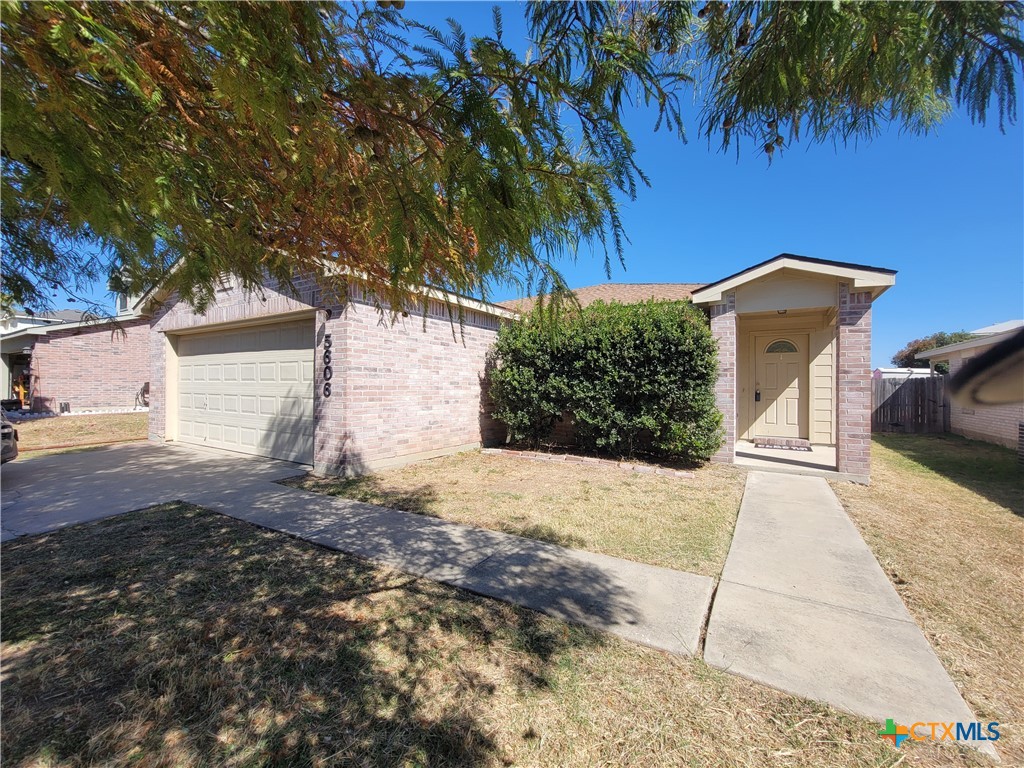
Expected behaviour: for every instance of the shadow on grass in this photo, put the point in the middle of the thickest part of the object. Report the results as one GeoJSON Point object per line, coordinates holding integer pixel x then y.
{"type": "Point", "coordinates": [369, 489]}
{"type": "Point", "coordinates": [988, 470]}
{"type": "Point", "coordinates": [540, 532]}
{"type": "Point", "coordinates": [420, 500]}
{"type": "Point", "coordinates": [178, 636]}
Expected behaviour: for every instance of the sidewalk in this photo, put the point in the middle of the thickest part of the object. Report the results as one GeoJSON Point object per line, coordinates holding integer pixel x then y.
{"type": "Point", "coordinates": [654, 606]}
{"type": "Point", "coordinates": [804, 606]}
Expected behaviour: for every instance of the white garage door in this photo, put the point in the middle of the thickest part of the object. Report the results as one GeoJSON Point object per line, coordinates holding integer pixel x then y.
{"type": "Point", "coordinates": [249, 390]}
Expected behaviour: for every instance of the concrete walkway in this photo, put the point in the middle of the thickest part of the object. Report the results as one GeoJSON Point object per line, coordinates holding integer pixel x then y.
{"type": "Point", "coordinates": [655, 606]}
{"type": "Point", "coordinates": [804, 606]}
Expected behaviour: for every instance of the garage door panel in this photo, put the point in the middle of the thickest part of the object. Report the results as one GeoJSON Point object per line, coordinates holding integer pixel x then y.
{"type": "Point", "coordinates": [249, 390]}
{"type": "Point", "coordinates": [288, 372]}
{"type": "Point", "coordinates": [267, 372]}
{"type": "Point", "coordinates": [291, 406]}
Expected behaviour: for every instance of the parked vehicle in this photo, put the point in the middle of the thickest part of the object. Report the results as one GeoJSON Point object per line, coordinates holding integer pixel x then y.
{"type": "Point", "coordinates": [9, 439]}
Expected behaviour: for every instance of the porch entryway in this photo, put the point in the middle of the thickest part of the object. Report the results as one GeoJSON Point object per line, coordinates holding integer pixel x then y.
{"type": "Point", "coordinates": [817, 460]}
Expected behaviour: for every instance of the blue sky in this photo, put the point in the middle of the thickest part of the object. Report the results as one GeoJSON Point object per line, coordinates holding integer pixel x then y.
{"type": "Point", "coordinates": [946, 210]}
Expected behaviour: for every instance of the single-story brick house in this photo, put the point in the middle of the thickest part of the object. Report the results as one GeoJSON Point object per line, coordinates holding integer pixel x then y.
{"type": "Point", "coordinates": [999, 424]}
{"type": "Point", "coordinates": [332, 383]}
{"type": "Point", "coordinates": [68, 357]}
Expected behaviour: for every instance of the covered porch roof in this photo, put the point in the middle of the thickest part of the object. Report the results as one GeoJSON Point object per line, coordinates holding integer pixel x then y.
{"type": "Point", "coordinates": [861, 277]}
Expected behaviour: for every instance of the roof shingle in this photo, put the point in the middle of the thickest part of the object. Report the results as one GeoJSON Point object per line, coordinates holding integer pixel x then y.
{"type": "Point", "coordinates": [623, 293]}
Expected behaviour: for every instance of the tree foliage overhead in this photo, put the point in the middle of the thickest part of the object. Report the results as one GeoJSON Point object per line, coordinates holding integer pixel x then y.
{"type": "Point", "coordinates": [348, 141]}
{"type": "Point", "coordinates": [907, 357]}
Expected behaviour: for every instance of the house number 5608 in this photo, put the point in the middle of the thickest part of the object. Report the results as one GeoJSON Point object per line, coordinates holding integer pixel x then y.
{"type": "Point", "coordinates": [328, 371]}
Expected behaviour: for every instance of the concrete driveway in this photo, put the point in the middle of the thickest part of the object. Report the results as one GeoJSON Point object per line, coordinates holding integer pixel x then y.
{"type": "Point", "coordinates": [49, 492]}
{"type": "Point", "coordinates": [655, 606]}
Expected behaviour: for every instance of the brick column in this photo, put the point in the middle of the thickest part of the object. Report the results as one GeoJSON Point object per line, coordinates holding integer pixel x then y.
{"type": "Point", "coordinates": [330, 431]}
{"type": "Point", "coordinates": [853, 389]}
{"type": "Point", "coordinates": [723, 328]}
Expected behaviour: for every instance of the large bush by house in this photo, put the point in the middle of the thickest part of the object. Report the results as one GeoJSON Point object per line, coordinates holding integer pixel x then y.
{"type": "Point", "coordinates": [637, 378]}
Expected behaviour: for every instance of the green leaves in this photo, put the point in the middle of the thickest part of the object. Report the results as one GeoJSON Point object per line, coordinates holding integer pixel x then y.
{"type": "Point", "coordinates": [635, 378]}
{"type": "Point", "coordinates": [366, 148]}
{"type": "Point", "coordinates": [907, 357]}
{"type": "Point", "coordinates": [843, 71]}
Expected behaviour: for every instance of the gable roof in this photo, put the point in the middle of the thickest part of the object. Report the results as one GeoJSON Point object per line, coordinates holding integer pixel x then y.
{"type": "Point", "coordinates": [877, 279]}
{"type": "Point", "coordinates": [623, 293]}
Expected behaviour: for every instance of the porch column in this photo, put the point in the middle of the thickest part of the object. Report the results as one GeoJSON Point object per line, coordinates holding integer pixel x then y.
{"type": "Point", "coordinates": [723, 328]}
{"type": "Point", "coordinates": [853, 388]}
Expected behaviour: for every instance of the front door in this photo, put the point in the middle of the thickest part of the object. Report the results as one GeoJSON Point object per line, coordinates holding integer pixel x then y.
{"type": "Point", "coordinates": [780, 386]}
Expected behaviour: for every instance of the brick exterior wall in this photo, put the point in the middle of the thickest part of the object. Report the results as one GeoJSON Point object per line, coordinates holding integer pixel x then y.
{"type": "Point", "coordinates": [403, 391]}
{"type": "Point", "coordinates": [723, 328]}
{"type": "Point", "coordinates": [999, 424]}
{"type": "Point", "coordinates": [398, 392]}
{"type": "Point", "coordinates": [853, 387]}
{"type": "Point", "coordinates": [93, 367]}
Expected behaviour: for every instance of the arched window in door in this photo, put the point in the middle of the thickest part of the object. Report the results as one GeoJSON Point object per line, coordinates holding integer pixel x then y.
{"type": "Point", "coordinates": [779, 346]}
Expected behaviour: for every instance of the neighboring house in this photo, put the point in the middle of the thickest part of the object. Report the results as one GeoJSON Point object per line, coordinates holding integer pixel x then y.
{"type": "Point", "coordinates": [11, 322]}
{"type": "Point", "coordinates": [66, 357]}
{"type": "Point", "coordinates": [902, 373]}
{"type": "Point", "coordinates": [332, 383]}
{"type": "Point", "coordinates": [998, 424]}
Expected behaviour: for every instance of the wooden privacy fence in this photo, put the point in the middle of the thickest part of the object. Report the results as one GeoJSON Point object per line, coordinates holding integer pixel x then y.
{"type": "Point", "coordinates": [910, 405]}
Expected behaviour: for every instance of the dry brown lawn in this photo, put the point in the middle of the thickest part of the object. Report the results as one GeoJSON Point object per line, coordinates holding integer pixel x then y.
{"type": "Point", "coordinates": [945, 517]}
{"type": "Point", "coordinates": [64, 433]}
{"type": "Point", "coordinates": [685, 524]}
{"type": "Point", "coordinates": [179, 637]}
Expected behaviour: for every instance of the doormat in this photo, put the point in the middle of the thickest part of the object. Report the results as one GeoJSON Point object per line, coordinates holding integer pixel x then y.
{"type": "Point", "coordinates": [783, 443]}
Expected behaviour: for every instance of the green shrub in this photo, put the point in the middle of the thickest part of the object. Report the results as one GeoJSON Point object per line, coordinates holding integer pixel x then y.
{"type": "Point", "coordinates": [637, 378]}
